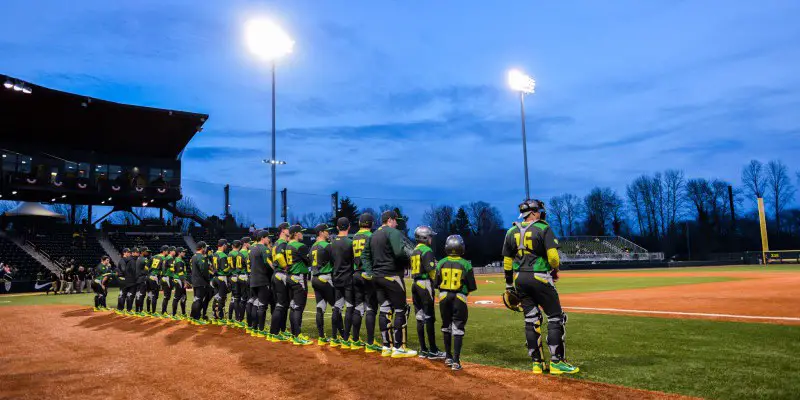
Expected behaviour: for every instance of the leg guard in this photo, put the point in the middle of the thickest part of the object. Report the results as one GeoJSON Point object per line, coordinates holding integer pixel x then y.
{"type": "Point", "coordinates": [556, 333]}
{"type": "Point", "coordinates": [533, 334]}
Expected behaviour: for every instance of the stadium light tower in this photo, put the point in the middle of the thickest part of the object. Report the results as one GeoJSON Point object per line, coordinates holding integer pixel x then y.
{"type": "Point", "coordinates": [269, 42]}
{"type": "Point", "coordinates": [523, 84]}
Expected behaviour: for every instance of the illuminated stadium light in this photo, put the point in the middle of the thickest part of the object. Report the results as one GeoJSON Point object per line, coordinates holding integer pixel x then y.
{"type": "Point", "coordinates": [8, 84]}
{"type": "Point", "coordinates": [274, 162]}
{"type": "Point", "coordinates": [267, 40]}
{"type": "Point", "coordinates": [17, 87]}
{"type": "Point", "coordinates": [26, 90]}
{"type": "Point", "coordinates": [14, 192]}
{"type": "Point", "coordinates": [52, 200]}
{"type": "Point", "coordinates": [63, 196]}
{"type": "Point", "coordinates": [520, 82]}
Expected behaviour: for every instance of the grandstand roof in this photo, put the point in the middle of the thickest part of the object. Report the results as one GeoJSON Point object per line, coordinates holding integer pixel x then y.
{"type": "Point", "coordinates": [26, 209]}
{"type": "Point", "coordinates": [52, 119]}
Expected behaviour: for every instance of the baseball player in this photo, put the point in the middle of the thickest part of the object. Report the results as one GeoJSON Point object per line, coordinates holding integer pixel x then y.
{"type": "Point", "coordinates": [236, 264]}
{"type": "Point", "coordinates": [201, 282]}
{"type": "Point", "coordinates": [530, 262]}
{"type": "Point", "coordinates": [297, 260]}
{"type": "Point", "coordinates": [280, 291]}
{"type": "Point", "coordinates": [167, 279]}
{"type": "Point", "coordinates": [455, 280]}
{"type": "Point", "coordinates": [342, 257]}
{"type": "Point", "coordinates": [322, 282]}
{"type": "Point", "coordinates": [244, 284]}
{"type": "Point", "coordinates": [212, 288]}
{"type": "Point", "coordinates": [154, 280]}
{"type": "Point", "coordinates": [142, 266]}
{"type": "Point", "coordinates": [383, 258]}
{"type": "Point", "coordinates": [260, 288]}
{"type": "Point", "coordinates": [364, 297]}
{"type": "Point", "coordinates": [100, 283]}
{"type": "Point", "coordinates": [222, 271]}
{"type": "Point", "coordinates": [423, 265]}
{"type": "Point", "coordinates": [177, 271]}
{"type": "Point", "coordinates": [122, 267]}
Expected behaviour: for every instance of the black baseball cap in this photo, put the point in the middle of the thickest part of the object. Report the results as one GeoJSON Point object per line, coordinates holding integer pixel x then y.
{"type": "Point", "coordinates": [135, 250]}
{"type": "Point", "coordinates": [282, 226]}
{"type": "Point", "coordinates": [164, 248]}
{"type": "Point", "coordinates": [295, 229]}
{"type": "Point", "coordinates": [173, 248]}
{"type": "Point", "coordinates": [126, 250]}
{"type": "Point", "coordinates": [180, 249]}
{"type": "Point", "coordinates": [389, 214]}
{"type": "Point", "coordinates": [343, 223]}
{"type": "Point", "coordinates": [201, 245]}
{"type": "Point", "coordinates": [246, 240]}
{"type": "Point", "coordinates": [222, 242]}
{"type": "Point", "coordinates": [366, 220]}
{"type": "Point", "coordinates": [261, 234]}
{"type": "Point", "coordinates": [237, 243]}
{"type": "Point", "coordinates": [144, 249]}
{"type": "Point", "coordinates": [320, 228]}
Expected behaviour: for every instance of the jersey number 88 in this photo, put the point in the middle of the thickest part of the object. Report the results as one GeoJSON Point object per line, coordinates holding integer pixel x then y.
{"type": "Point", "coordinates": [451, 279]}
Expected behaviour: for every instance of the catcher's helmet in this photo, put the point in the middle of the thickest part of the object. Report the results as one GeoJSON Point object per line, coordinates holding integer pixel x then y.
{"type": "Point", "coordinates": [529, 206]}
{"type": "Point", "coordinates": [423, 233]}
{"type": "Point", "coordinates": [454, 245]}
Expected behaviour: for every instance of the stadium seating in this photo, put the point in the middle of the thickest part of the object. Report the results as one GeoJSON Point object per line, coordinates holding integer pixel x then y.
{"type": "Point", "coordinates": [63, 244]}
{"type": "Point", "coordinates": [577, 249]}
{"type": "Point", "coordinates": [153, 240]}
{"type": "Point", "coordinates": [27, 267]}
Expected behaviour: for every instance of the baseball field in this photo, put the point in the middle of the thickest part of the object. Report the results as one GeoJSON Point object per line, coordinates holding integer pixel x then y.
{"type": "Point", "coordinates": [721, 333]}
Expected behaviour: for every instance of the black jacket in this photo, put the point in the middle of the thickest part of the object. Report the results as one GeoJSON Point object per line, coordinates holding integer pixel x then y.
{"type": "Point", "coordinates": [260, 269]}
{"type": "Point", "coordinates": [200, 274]}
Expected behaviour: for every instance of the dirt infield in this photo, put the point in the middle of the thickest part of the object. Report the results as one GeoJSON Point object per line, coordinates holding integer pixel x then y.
{"type": "Point", "coordinates": [62, 352]}
{"type": "Point", "coordinates": [756, 297]}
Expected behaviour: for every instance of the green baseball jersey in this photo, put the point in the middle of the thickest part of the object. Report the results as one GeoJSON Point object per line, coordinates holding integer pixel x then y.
{"type": "Point", "coordinates": [297, 258]}
{"type": "Point", "coordinates": [360, 240]}
{"type": "Point", "coordinates": [279, 261]}
{"type": "Point", "coordinates": [245, 253]}
{"type": "Point", "coordinates": [455, 274]}
{"type": "Point", "coordinates": [178, 268]}
{"type": "Point", "coordinates": [526, 245]}
{"type": "Point", "coordinates": [220, 264]}
{"type": "Point", "coordinates": [321, 258]}
{"type": "Point", "coordinates": [423, 262]}
{"type": "Point", "coordinates": [236, 260]}
{"type": "Point", "coordinates": [156, 265]}
{"type": "Point", "coordinates": [167, 269]}
{"type": "Point", "coordinates": [101, 271]}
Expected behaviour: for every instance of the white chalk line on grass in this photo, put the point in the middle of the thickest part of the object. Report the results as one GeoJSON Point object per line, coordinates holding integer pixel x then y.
{"type": "Point", "coordinates": [685, 313]}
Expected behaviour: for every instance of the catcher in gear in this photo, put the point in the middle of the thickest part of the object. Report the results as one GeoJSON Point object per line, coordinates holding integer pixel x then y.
{"type": "Point", "coordinates": [530, 262]}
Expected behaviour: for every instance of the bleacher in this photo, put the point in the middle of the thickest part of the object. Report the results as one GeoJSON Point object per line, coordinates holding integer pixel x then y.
{"type": "Point", "coordinates": [27, 267]}
{"type": "Point", "coordinates": [62, 245]}
{"type": "Point", "coordinates": [594, 249]}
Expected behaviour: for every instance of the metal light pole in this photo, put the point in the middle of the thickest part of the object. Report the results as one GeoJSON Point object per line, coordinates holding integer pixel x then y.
{"type": "Point", "coordinates": [524, 84]}
{"type": "Point", "coordinates": [274, 166]}
{"type": "Point", "coordinates": [269, 42]}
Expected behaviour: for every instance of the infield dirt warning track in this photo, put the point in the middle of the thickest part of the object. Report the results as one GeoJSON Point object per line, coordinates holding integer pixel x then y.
{"type": "Point", "coordinates": [69, 352]}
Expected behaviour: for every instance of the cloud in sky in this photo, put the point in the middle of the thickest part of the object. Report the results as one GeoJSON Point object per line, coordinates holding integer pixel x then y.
{"type": "Point", "coordinates": [408, 101]}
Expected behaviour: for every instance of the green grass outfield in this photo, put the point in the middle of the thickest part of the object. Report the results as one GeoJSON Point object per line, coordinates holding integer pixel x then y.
{"type": "Point", "coordinates": [713, 359]}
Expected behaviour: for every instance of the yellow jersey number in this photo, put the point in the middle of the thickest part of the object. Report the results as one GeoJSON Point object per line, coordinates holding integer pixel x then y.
{"type": "Point", "coordinates": [528, 244]}
{"type": "Point", "coordinates": [358, 247]}
{"type": "Point", "coordinates": [238, 262]}
{"type": "Point", "coordinates": [451, 279]}
{"type": "Point", "coordinates": [314, 256]}
{"type": "Point", "coordinates": [156, 261]}
{"type": "Point", "coordinates": [289, 260]}
{"type": "Point", "coordinates": [415, 263]}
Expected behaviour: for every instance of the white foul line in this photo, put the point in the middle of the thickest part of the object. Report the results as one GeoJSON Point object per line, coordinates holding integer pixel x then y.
{"type": "Point", "coordinates": [685, 313]}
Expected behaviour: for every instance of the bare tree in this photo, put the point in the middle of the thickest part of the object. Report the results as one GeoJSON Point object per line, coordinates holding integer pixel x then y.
{"type": "Point", "coordinates": [66, 210]}
{"type": "Point", "coordinates": [483, 217]}
{"type": "Point", "coordinates": [310, 220]}
{"type": "Point", "coordinates": [603, 211]}
{"type": "Point", "coordinates": [7, 205]}
{"type": "Point", "coordinates": [780, 189]}
{"type": "Point", "coordinates": [754, 179]}
{"type": "Point", "coordinates": [558, 211]}
{"type": "Point", "coordinates": [573, 211]}
{"type": "Point", "coordinates": [439, 218]}
{"type": "Point", "coordinates": [699, 193]}
{"type": "Point", "coordinates": [673, 187]}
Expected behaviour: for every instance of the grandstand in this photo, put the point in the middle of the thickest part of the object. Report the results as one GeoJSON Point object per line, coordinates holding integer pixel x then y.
{"type": "Point", "coordinates": [64, 243]}
{"type": "Point", "coordinates": [603, 249]}
{"type": "Point", "coordinates": [27, 267]}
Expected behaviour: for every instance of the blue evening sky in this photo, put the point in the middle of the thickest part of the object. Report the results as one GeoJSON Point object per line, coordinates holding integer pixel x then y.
{"type": "Point", "coordinates": [407, 100]}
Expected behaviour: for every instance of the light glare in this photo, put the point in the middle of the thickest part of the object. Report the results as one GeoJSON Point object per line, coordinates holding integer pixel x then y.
{"type": "Point", "coordinates": [520, 82]}
{"type": "Point", "coordinates": [267, 40]}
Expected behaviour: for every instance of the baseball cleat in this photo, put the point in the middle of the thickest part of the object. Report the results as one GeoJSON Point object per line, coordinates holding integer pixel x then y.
{"type": "Point", "coordinates": [538, 367]}
{"type": "Point", "coordinates": [299, 341]}
{"type": "Point", "coordinates": [346, 344]}
{"type": "Point", "coordinates": [437, 355]}
{"type": "Point", "coordinates": [448, 362]}
{"type": "Point", "coordinates": [335, 342]}
{"type": "Point", "coordinates": [562, 367]}
{"type": "Point", "coordinates": [456, 366]}
{"type": "Point", "coordinates": [357, 345]}
{"type": "Point", "coordinates": [403, 353]}
{"type": "Point", "coordinates": [386, 351]}
{"type": "Point", "coordinates": [372, 348]}
{"type": "Point", "coordinates": [260, 334]}
{"type": "Point", "coordinates": [423, 354]}
{"type": "Point", "coordinates": [323, 341]}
